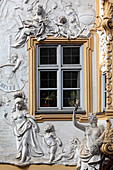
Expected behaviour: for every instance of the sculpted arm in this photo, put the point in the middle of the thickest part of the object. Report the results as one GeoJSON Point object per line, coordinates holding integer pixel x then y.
{"type": "Point", "coordinates": [79, 126]}
{"type": "Point", "coordinates": [59, 141]}
{"type": "Point", "coordinates": [6, 119]}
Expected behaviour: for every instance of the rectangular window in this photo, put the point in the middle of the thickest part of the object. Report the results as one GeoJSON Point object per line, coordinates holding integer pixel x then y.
{"type": "Point", "coordinates": [59, 76]}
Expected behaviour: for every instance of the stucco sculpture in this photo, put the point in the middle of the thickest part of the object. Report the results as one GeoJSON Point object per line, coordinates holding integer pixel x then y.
{"type": "Point", "coordinates": [70, 151]}
{"type": "Point", "coordinates": [42, 20]}
{"type": "Point", "coordinates": [11, 79]}
{"type": "Point", "coordinates": [51, 140]}
{"type": "Point", "coordinates": [25, 129]}
{"type": "Point", "coordinates": [34, 26]}
{"type": "Point", "coordinates": [89, 151]}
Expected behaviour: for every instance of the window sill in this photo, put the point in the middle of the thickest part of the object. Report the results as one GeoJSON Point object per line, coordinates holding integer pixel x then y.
{"type": "Point", "coordinates": [55, 115]}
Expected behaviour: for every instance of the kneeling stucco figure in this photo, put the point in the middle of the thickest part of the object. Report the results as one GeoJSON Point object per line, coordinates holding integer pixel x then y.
{"type": "Point", "coordinates": [25, 129]}
{"type": "Point", "coordinates": [89, 152]}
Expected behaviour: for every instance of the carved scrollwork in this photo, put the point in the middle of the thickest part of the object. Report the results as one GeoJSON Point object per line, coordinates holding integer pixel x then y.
{"type": "Point", "coordinates": [107, 147]}
{"type": "Point", "coordinates": [98, 25]}
{"type": "Point", "coordinates": [107, 18]}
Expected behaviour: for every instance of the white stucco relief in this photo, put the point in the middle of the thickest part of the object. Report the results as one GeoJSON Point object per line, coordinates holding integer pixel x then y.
{"type": "Point", "coordinates": [70, 19]}
{"type": "Point", "coordinates": [35, 147]}
{"type": "Point", "coordinates": [11, 79]}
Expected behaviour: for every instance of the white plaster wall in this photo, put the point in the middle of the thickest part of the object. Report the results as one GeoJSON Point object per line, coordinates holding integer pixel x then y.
{"type": "Point", "coordinates": [8, 28]}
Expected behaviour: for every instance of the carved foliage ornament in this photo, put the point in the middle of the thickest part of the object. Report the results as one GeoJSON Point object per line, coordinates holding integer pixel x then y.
{"type": "Point", "coordinates": [107, 25]}
{"type": "Point", "coordinates": [104, 24]}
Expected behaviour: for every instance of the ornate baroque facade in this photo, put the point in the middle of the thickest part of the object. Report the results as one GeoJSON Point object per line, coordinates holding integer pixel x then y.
{"type": "Point", "coordinates": [56, 81]}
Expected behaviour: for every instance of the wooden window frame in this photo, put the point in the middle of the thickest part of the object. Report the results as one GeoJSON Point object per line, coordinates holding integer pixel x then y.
{"type": "Point", "coordinates": [87, 48]}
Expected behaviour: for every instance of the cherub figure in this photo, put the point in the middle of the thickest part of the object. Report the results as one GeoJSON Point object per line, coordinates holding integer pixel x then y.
{"type": "Point", "coordinates": [61, 27]}
{"type": "Point", "coordinates": [70, 150]}
{"type": "Point", "coordinates": [50, 140]}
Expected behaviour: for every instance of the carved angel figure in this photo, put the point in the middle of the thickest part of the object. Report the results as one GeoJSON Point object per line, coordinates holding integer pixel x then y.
{"type": "Point", "coordinates": [25, 129]}
{"type": "Point", "coordinates": [50, 140]}
{"type": "Point", "coordinates": [89, 152]}
{"type": "Point", "coordinates": [61, 29]}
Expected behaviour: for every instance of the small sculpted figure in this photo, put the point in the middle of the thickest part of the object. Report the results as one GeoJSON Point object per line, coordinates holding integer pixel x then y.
{"type": "Point", "coordinates": [74, 29]}
{"type": "Point", "coordinates": [50, 140]}
{"type": "Point", "coordinates": [16, 61]}
{"type": "Point", "coordinates": [34, 26]}
{"type": "Point", "coordinates": [70, 150]}
{"type": "Point", "coordinates": [61, 27]}
{"type": "Point", "coordinates": [89, 152]}
{"type": "Point", "coordinates": [25, 129]}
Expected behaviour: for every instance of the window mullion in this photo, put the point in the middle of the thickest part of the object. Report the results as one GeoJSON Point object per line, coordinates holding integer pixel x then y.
{"type": "Point", "coordinates": [59, 78]}
{"type": "Point", "coordinates": [37, 76]}
{"type": "Point", "coordinates": [82, 78]}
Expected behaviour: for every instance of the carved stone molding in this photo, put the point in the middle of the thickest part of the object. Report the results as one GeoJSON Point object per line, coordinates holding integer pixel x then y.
{"type": "Point", "coordinates": [107, 147]}
{"type": "Point", "coordinates": [107, 16]}
{"type": "Point", "coordinates": [107, 24]}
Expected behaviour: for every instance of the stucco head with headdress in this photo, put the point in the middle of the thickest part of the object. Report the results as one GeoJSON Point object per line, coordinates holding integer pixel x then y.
{"type": "Point", "coordinates": [92, 118]}
{"type": "Point", "coordinates": [19, 102]}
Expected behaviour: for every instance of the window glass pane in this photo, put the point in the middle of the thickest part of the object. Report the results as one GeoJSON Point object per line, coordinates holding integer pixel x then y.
{"type": "Point", "coordinates": [48, 79]}
{"type": "Point", "coordinates": [48, 98]}
{"type": "Point", "coordinates": [71, 79]}
{"type": "Point", "coordinates": [69, 97]}
{"type": "Point", "coordinates": [48, 55]}
{"type": "Point", "coordinates": [71, 55]}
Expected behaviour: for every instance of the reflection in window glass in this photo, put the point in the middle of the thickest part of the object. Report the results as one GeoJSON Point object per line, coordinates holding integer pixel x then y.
{"type": "Point", "coordinates": [58, 80]}
{"type": "Point", "coordinates": [48, 55]}
{"type": "Point", "coordinates": [48, 98]}
{"type": "Point", "coordinates": [71, 55]}
{"type": "Point", "coordinates": [69, 97]}
{"type": "Point", "coordinates": [48, 79]}
{"type": "Point", "coordinates": [71, 79]}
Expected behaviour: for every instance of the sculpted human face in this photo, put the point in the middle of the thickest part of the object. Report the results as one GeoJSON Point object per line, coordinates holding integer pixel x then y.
{"type": "Point", "coordinates": [92, 119]}
{"type": "Point", "coordinates": [14, 57]}
{"type": "Point", "coordinates": [19, 105]}
{"type": "Point", "coordinates": [39, 10]}
{"type": "Point", "coordinates": [54, 5]}
{"type": "Point", "coordinates": [46, 129]}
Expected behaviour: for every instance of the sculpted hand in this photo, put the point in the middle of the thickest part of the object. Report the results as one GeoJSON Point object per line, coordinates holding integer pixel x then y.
{"type": "Point", "coordinates": [76, 105]}
{"type": "Point", "coordinates": [5, 113]}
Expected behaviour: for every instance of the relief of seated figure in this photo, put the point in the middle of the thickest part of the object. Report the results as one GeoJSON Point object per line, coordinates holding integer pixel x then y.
{"type": "Point", "coordinates": [34, 26]}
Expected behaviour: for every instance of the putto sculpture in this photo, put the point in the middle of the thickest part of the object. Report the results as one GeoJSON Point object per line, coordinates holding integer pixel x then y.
{"type": "Point", "coordinates": [25, 129]}
{"type": "Point", "coordinates": [89, 152]}
{"type": "Point", "coordinates": [51, 140]}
